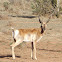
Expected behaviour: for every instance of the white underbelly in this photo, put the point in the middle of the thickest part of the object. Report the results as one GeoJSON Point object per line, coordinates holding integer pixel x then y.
{"type": "Point", "coordinates": [29, 38]}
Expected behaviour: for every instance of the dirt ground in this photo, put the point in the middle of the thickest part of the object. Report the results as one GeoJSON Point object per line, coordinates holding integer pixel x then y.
{"type": "Point", "coordinates": [49, 49]}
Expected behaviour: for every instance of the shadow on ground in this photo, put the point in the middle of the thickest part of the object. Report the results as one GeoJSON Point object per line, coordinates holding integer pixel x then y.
{"type": "Point", "coordinates": [48, 50]}
{"type": "Point", "coordinates": [3, 56]}
{"type": "Point", "coordinates": [23, 16]}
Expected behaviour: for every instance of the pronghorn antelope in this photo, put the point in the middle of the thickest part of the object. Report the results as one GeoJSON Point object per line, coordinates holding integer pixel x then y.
{"type": "Point", "coordinates": [32, 35]}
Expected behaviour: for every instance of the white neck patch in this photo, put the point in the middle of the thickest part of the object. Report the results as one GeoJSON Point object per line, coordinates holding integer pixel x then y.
{"type": "Point", "coordinates": [39, 39]}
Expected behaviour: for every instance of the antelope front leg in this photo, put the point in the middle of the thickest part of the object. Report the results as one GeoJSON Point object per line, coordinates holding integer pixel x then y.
{"type": "Point", "coordinates": [33, 52]}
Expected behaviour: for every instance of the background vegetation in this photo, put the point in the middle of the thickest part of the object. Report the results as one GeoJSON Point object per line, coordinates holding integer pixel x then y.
{"type": "Point", "coordinates": [43, 7]}
{"type": "Point", "coordinates": [37, 7]}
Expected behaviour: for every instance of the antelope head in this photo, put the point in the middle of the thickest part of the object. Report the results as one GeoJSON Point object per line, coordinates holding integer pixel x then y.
{"type": "Point", "coordinates": [43, 25]}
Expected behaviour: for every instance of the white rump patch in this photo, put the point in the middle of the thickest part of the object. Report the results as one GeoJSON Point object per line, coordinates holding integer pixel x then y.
{"type": "Point", "coordinates": [16, 33]}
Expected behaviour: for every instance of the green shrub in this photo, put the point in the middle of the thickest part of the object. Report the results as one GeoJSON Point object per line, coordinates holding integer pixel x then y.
{"type": "Point", "coordinates": [6, 5]}
{"type": "Point", "coordinates": [57, 15]}
{"type": "Point", "coordinates": [42, 7]}
{"type": "Point", "coordinates": [54, 3]}
{"type": "Point", "coordinates": [60, 8]}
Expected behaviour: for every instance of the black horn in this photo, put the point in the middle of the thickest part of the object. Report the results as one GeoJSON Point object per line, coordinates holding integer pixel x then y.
{"type": "Point", "coordinates": [40, 20]}
{"type": "Point", "coordinates": [48, 20]}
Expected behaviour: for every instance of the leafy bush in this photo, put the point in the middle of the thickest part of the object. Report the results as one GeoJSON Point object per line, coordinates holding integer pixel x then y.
{"type": "Point", "coordinates": [54, 3]}
{"type": "Point", "coordinates": [60, 8]}
{"type": "Point", "coordinates": [6, 5]}
{"type": "Point", "coordinates": [42, 7]}
{"type": "Point", "coordinates": [57, 15]}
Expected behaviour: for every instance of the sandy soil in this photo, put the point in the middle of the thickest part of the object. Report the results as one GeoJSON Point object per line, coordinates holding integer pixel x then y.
{"type": "Point", "coordinates": [49, 49]}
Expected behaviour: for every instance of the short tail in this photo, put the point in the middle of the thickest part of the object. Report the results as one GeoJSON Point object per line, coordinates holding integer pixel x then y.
{"type": "Point", "coordinates": [40, 20]}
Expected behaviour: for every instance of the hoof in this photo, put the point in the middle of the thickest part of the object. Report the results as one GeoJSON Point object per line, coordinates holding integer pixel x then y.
{"type": "Point", "coordinates": [34, 58]}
